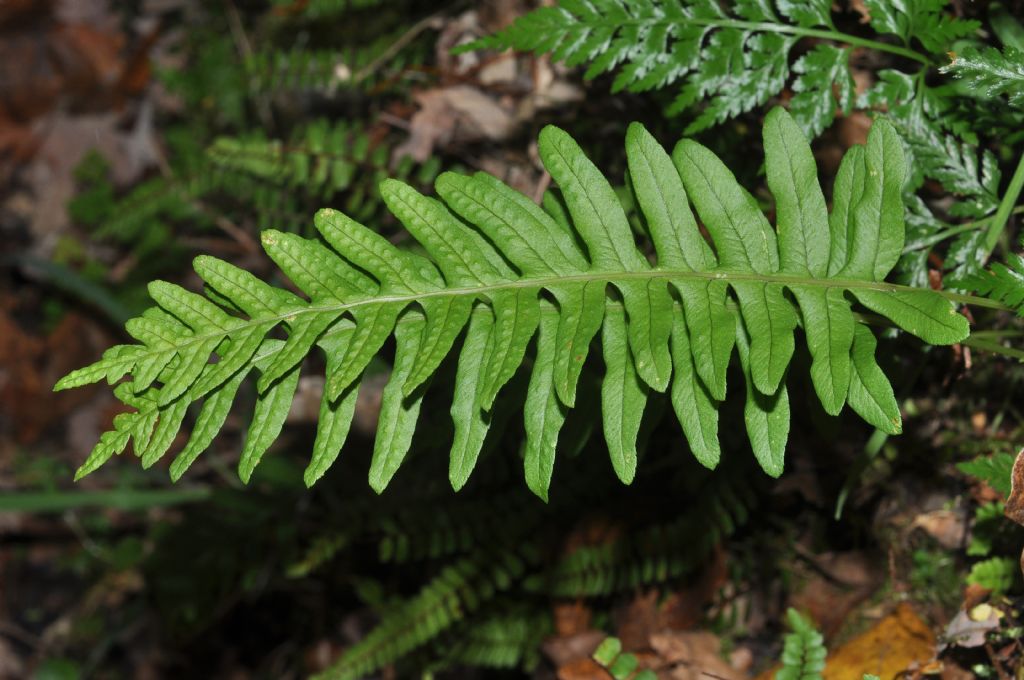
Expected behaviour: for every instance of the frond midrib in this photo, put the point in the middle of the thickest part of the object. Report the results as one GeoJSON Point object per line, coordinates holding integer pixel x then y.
{"type": "Point", "coordinates": [547, 282]}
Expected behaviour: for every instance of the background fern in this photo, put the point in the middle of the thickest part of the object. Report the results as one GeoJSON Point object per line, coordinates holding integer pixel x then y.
{"type": "Point", "coordinates": [728, 60]}
{"type": "Point", "coordinates": [803, 656]}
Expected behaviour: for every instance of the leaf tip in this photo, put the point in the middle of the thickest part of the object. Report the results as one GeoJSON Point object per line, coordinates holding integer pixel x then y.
{"type": "Point", "coordinates": [311, 475]}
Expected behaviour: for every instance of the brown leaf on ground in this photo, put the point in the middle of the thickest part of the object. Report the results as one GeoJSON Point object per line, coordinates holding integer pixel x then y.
{"type": "Point", "coordinates": [454, 115]}
{"type": "Point", "coordinates": [572, 618]}
{"type": "Point", "coordinates": [888, 649]}
{"type": "Point", "coordinates": [572, 648]}
{"type": "Point", "coordinates": [1015, 503]}
{"type": "Point", "coordinates": [31, 364]}
{"type": "Point", "coordinates": [682, 609]}
{"type": "Point", "coordinates": [968, 628]}
{"type": "Point", "coordinates": [947, 527]}
{"type": "Point", "coordinates": [692, 656]}
{"type": "Point", "coordinates": [836, 585]}
{"type": "Point", "coordinates": [583, 669]}
{"type": "Point", "coordinates": [65, 142]}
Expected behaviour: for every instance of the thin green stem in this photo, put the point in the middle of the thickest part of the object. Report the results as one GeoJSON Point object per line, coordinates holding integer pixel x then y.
{"type": "Point", "coordinates": [938, 237]}
{"type": "Point", "coordinates": [994, 347]}
{"type": "Point", "coordinates": [1002, 216]}
{"type": "Point", "coordinates": [998, 334]}
{"type": "Point", "coordinates": [550, 282]}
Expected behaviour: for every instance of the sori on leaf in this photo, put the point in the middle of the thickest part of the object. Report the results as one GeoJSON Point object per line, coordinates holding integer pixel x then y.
{"type": "Point", "coordinates": [504, 273]}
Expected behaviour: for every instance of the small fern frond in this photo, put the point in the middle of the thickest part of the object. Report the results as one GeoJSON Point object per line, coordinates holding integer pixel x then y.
{"type": "Point", "coordinates": [657, 553]}
{"type": "Point", "coordinates": [923, 20]}
{"type": "Point", "coordinates": [1001, 282]}
{"type": "Point", "coordinates": [619, 664]}
{"type": "Point", "coordinates": [997, 574]}
{"type": "Point", "coordinates": [321, 160]}
{"type": "Point", "coordinates": [803, 655]}
{"type": "Point", "coordinates": [507, 272]}
{"type": "Point", "coordinates": [510, 640]}
{"type": "Point", "coordinates": [994, 470]}
{"type": "Point", "coordinates": [320, 10]}
{"type": "Point", "coordinates": [990, 72]}
{"type": "Point", "coordinates": [459, 590]}
{"type": "Point", "coordinates": [331, 70]}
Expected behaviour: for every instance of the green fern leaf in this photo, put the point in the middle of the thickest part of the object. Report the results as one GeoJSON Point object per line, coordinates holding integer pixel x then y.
{"type": "Point", "coordinates": [501, 272]}
{"type": "Point", "coordinates": [920, 19]}
{"type": "Point", "coordinates": [820, 73]}
{"type": "Point", "coordinates": [991, 72]}
{"type": "Point", "coordinates": [1002, 282]}
{"type": "Point", "coordinates": [803, 655]}
{"type": "Point", "coordinates": [997, 574]}
{"type": "Point", "coordinates": [995, 470]}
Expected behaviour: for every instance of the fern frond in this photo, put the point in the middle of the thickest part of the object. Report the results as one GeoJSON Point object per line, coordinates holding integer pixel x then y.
{"type": "Point", "coordinates": [803, 655]}
{"type": "Point", "coordinates": [507, 272]}
{"type": "Point", "coordinates": [923, 20]}
{"type": "Point", "coordinates": [996, 574]}
{"type": "Point", "coordinates": [297, 69]}
{"type": "Point", "coordinates": [319, 10]}
{"type": "Point", "coordinates": [323, 159]}
{"type": "Point", "coordinates": [509, 640]}
{"type": "Point", "coordinates": [332, 70]}
{"type": "Point", "coordinates": [657, 553]}
{"type": "Point", "coordinates": [453, 528]}
{"type": "Point", "coordinates": [733, 56]}
{"type": "Point", "coordinates": [994, 470]}
{"type": "Point", "coordinates": [459, 590]}
{"type": "Point", "coordinates": [733, 59]}
{"type": "Point", "coordinates": [990, 72]}
{"type": "Point", "coordinates": [619, 664]}
{"type": "Point", "coordinates": [1001, 282]}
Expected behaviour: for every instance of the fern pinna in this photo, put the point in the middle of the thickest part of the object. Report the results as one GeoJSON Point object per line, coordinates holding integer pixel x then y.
{"type": "Point", "coordinates": [502, 271]}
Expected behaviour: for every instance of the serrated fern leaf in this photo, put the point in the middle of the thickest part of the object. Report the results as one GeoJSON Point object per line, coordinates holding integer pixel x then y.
{"type": "Point", "coordinates": [501, 641]}
{"type": "Point", "coordinates": [731, 59]}
{"type": "Point", "coordinates": [923, 20]}
{"type": "Point", "coordinates": [996, 574]}
{"type": "Point", "coordinates": [803, 654]}
{"type": "Point", "coordinates": [1001, 282]}
{"type": "Point", "coordinates": [507, 272]}
{"type": "Point", "coordinates": [459, 590]}
{"type": "Point", "coordinates": [994, 470]}
{"type": "Point", "coordinates": [991, 72]}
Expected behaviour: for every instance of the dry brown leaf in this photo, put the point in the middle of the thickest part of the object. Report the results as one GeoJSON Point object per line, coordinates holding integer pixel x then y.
{"type": "Point", "coordinates": [692, 656]}
{"type": "Point", "coordinates": [1015, 503]}
{"type": "Point", "coordinates": [838, 583]}
{"type": "Point", "coordinates": [947, 527]}
{"type": "Point", "coordinates": [572, 648]}
{"type": "Point", "coordinates": [454, 115]}
{"type": "Point", "coordinates": [889, 648]}
{"type": "Point", "coordinates": [572, 618]}
{"type": "Point", "coordinates": [968, 629]}
{"type": "Point", "coordinates": [583, 669]}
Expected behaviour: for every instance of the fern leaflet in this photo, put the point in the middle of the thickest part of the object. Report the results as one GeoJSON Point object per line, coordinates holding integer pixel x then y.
{"type": "Point", "coordinates": [507, 272]}
{"type": "Point", "coordinates": [1001, 282]}
{"type": "Point", "coordinates": [991, 72]}
{"type": "Point", "coordinates": [803, 655]}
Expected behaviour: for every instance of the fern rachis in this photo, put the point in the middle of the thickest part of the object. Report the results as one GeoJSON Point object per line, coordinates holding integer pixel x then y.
{"type": "Point", "coordinates": [502, 271]}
